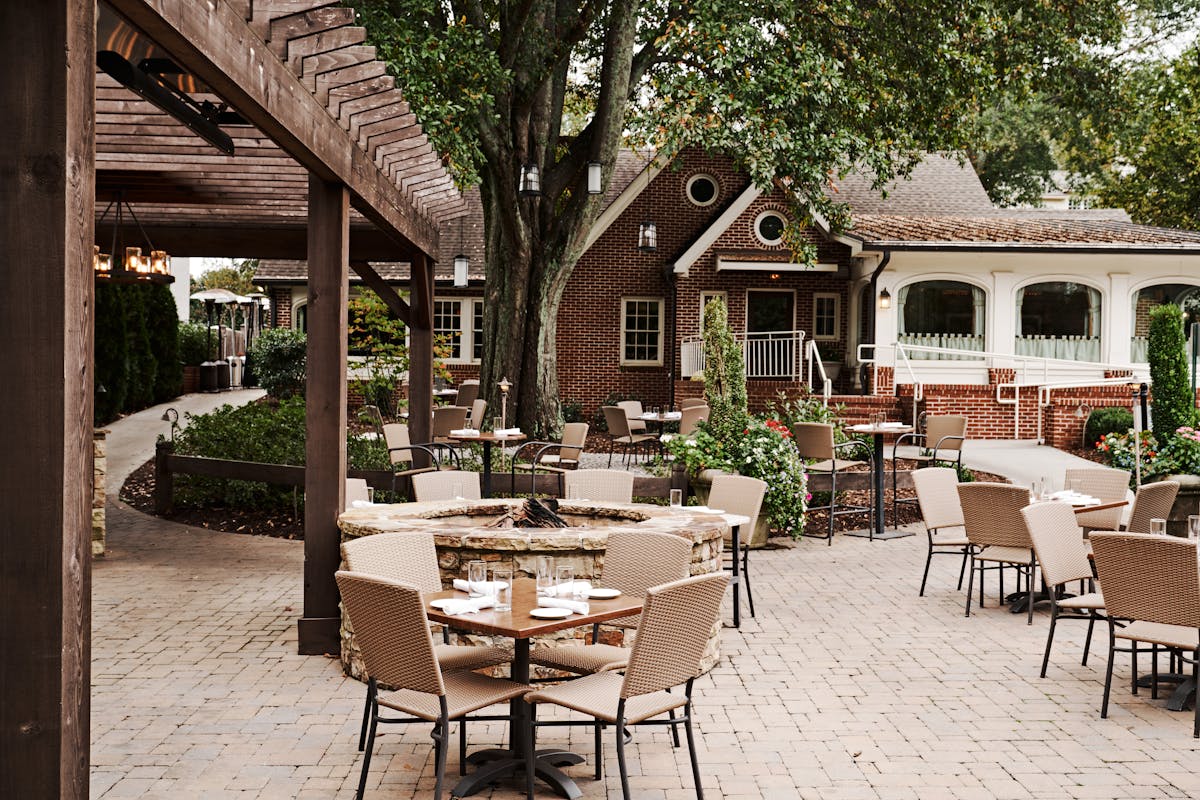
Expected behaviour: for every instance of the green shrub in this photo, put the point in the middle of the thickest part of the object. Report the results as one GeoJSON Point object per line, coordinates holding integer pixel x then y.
{"type": "Point", "coordinates": [1107, 420]}
{"type": "Point", "coordinates": [279, 356]}
{"type": "Point", "coordinates": [193, 344]}
{"type": "Point", "coordinates": [162, 317]}
{"type": "Point", "coordinates": [1174, 403]}
{"type": "Point", "coordinates": [724, 374]}
{"type": "Point", "coordinates": [142, 367]}
{"type": "Point", "coordinates": [572, 411]}
{"type": "Point", "coordinates": [111, 381]}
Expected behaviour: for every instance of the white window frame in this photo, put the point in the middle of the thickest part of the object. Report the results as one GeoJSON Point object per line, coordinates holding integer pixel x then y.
{"type": "Point", "coordinates": [472, 304]}
{"type": "Point", "coordinates": [687, 190]}
{"type": "Point", "coordinates": [465, 330]}
{"type": "Point", "coordinates": [657, 362]}
{"type": "Point", "coordinates": [705, 296]}
{"type": "Point", "coordinates": [837, 316]}
{"type": "Point", "coordinates": [770, 212]}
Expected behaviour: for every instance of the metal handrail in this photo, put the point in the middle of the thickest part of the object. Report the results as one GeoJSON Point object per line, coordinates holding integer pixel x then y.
{"type": "Point", "coordinates": [812, 354]}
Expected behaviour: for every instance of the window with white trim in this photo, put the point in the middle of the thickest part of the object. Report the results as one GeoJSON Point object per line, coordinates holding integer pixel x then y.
{"type": "Point", "coordinates": [826, 306]}
{"type": "Point", "coordinates": [705, 297]}
{"type": "Point", "coordinates": [769, 227]}
{"type": "Point", "coordinates": [641, 331]}
{"type": "Point", "coordinates": [476, 331]}
{"type": "Point", "coordinates": [458, 324]}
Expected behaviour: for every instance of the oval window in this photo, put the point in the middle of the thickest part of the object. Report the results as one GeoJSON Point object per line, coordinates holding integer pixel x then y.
{"type": "Point", "coordinates": [769, 227]}
{"type": "Point", "coordinates": [702, 190]}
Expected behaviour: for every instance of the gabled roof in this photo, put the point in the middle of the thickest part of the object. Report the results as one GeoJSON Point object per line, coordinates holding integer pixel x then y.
{"type": "Point", "coordinates": [938, 184]}
{"type": "Point", "coordinates": [295, 271]}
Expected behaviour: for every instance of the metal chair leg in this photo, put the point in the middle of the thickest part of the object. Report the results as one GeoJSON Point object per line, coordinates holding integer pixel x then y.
{"type": "Point", "coordinates": [362, 780]}
{"type": "Point", "coordinates": [1112, 652]}
{"type": "Point", "coordinates": [440, 731]}
{"type": "Point", "coordinates": [691, 740]}
{"type": "Point", "coordinates": [599, 745]}
{"type": "Point", "coordinates": [1087, 643]}
{"type": "Point", "coordinates": [621, 754]}
{"type": "Point", "coordinates": [462, 746]}
{"type": "Point", "coordinates": [925, 576]}
{"type": "Point", "coordinates": [746, 578]}
{"type": "Point", "coordinates": [362, 734]}
{"type": "Point", "coordinates": [1050, 637]}
{"type": "Point", "coordinates": [971, 584]}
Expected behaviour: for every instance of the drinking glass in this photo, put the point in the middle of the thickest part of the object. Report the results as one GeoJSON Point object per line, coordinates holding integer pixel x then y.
{"type": "Point", "coordinates": [676, 498]}
{"type": "Point", "coordinates": [502, 578]}
{"type": "Point", "coordinates": [545, 574]}
{"type": "Point", "coordinates": [497, 424]}
{"type": "Point", "coordinates": [1036, 492]}
{"type": "Point", "coordinates": [370, 494]}
{"type": "Point", "coordinates": [1158, 527]}
{"type": "Point", "coordinates": [564, 576]}
{"type": "Point", "coordinates": [476, 577]}
{"type": "Point", "coordinates": [1194, 527]}
{"type": "Point", "coordinates": [1047, 490]}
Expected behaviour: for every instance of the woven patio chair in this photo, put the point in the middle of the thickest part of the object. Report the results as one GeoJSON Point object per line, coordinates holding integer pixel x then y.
{"type": "Point", "coordinates": [1152, 582]}
{"type": "Point", "coordinates": [633, 411]}
{"type": "Point", "coordinates": [634, 561]}
{"type": "Point", "coordinates": [997, 533]}
{"type": "Point", "coordinates": [1062, 556]}
{"type": "Point", "coordinates": [689, 402]}
{"type": "Point", "coordinates": [689, 420]}
{"type": "Point", "coordinates": [411, 558]}
{"type": "Point", "coordinates": [446, 419]}
{"type": "Point", "coordinates": [937, 494]}
{"type": "Point", "coordinates": [942, 440]}
{"type": "Point", "coordinates": [433, 486]}
{"type": "Point", "coordinates": [477, 415]}
{"type": "Point", "coordinates": [1152, 501]}
{"type": "Point", "coordinates": [468, 393]}
{"type": "Point", "coordinates": [604, 485]}
{"type": "Point", "coordinates": [397, 649]}
{"type": "Point", "coordinates": [1108, 486]}
{"type": "Point", "coordinates": [356, 489]}
{"type": "Point", "coordinates": [676, 623]}
{"type": "Point", "coordinates": [552, 457]}
{"type": "Point", "coordinates": [738, 494]}
{"type": "Point", "coordinates": [814, 441]}
{"type": "Point", "coordinates": [401, 451]}
{"type": "Point", "coordinates": [619, 432]}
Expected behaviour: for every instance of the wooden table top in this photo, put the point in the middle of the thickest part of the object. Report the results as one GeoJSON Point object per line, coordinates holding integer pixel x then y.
{"type": "Point", "coordinates": [517, 624]}
{"type": "Point", "coordinates": [1101, 506]}
{"type": "Point", "coordinates": [487, 436]}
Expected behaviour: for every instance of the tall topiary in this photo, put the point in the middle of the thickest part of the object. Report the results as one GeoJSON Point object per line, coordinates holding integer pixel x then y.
{"type": "Point", "coordinates": [162, 317]}
{"type": "Point", "coordinates": [142, 366]}
{"type": "Point", "coordinates": [111, 379]}
{"type": "Point", "coordinates": [279, 356]}
{"type": "Point", "coordinates": [1174, 405]}
{"type": "Point", "coordinates": [724, 374]}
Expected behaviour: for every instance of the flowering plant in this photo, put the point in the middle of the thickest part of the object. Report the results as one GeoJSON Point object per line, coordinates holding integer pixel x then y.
{"type": "Point", "coordinates": [1118, 449]}
{"type": "Point", "coordinates": [763, 450]}
{"type": "Point", "coordinates": [1181, 453]}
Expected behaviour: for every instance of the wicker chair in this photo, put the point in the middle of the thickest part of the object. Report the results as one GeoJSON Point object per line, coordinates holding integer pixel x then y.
{"type": "Point", "coordinates": [412, 558]}
{"type": "Point", "coordinates": [689, 402]}
{"type": "Point", "coordinates": [1106, 484]}
{"type": "Point", "coordinates": [814, 441]}
{"type": "Point", "coordinates": [446, 419]}
{"type": "Point", "coordinates": [997, 533]}
{"type": "Point", "coordinates": [477, 414]}
{"type": "Point", "coordinates": [937, 494]}
{"type": "Point", "coordinates": [1152, 581]}
{"type": "Point", "coordinates": [689, 420]}
{"type": "Point", "coordinates": [942, 441]}
{"type": "Point", "coordinates": [1062, 556]}
{"type": "Point", "coordinates": [393, 634]}
{"type": "Point", "coordinates": [432, 486]}
{"type": "Point", "coordinates": [605, 485]}
{"type": "Point", "coordinates": [633, 562]}
{"type": "Point", "coordinates": [1152, 501]}
{"type": "Point", "coordinates": [468, 393]}
{"type": "Point", "coordinates": [633, 411]}
{"type": "Point", "coordinates": [738, 494]}
{"type": "Point", "coordinates": [676, 623]}
{"type": "Point", "coordinates": [356, 490]}
{"type": "Point", "coordinates": [401, 450]}
{"type": "Point", "coordinates": [619, 432]}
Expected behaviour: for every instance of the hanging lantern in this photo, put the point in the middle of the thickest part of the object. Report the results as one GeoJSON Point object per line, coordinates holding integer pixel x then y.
{"type": "Point", "coordinates": [647, 237]}
{"type": "Point", "coordinates": [460, 270]}
{"type": "Point", "coordinates": [595, 177]}
{"type": "Point", "coordinates": [530, 184]}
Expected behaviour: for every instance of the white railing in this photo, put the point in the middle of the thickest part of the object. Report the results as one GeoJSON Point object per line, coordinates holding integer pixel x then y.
{"type": "Point", "coordinates": [816, 370]}
{"type": "Point", "coordinates": [776, 355]}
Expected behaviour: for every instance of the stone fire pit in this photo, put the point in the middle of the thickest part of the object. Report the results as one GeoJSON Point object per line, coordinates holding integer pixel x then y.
{"type": "Point", "coordinates": [460, 534]}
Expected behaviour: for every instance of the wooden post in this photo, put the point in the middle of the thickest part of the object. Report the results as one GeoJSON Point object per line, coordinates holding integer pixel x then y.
{"type": "Point", "coordinates": [325, 445]}
{"type": "Point", "coordinates": [420, 354]}
{"type": "Point", "coordinates": [47, 191]}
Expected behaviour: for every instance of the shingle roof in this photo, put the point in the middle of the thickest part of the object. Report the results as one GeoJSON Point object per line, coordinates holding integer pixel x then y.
{"type": "Point", "coordinates": [283, 271]}
{"type": "Point", "coordinates": [1015, 231]}
{"type": "Point", "coordinates": [938, 184]}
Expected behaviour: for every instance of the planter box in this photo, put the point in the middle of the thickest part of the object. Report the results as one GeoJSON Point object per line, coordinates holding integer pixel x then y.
{"type": "Point", "coordinates": [191, 380]}
{"type": "Point", "coordinates": [1187, 502]}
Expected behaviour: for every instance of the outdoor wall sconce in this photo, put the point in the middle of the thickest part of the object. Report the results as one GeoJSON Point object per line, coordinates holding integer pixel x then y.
{"type": "Point", "coordinates": [647, 237]}
{"type": "Point", "coordinates": [594, 177]}
{"type": "Point", "coordinates": [1082, 413]}
{"type": "Point", "coordinates": [885, 299]}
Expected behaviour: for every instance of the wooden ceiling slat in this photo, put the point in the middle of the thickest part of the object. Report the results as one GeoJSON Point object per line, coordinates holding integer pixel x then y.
{"type": "Point", "coordinates": [403, 129]}
{"type": "Point", "coordinates": [382, 118]}
{"type": "Point", "coordinates": [284, 29]}
{"type": "Point", "coordinates": [360, 90]}
{"type": "Point", "coordinates": [348, 108]}
{"type": "Point", "coordinates": [323, 42]}
{"type": "Point", "coordinates": [352, 74]}
{"type": "Point", "coordinates": [263, 11]}
{"type": "Point", "coordinates": [316, 65]}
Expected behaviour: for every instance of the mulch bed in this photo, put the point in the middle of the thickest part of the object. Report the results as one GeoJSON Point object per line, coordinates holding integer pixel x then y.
{"type": "Point", "coordinates": [138, 492]}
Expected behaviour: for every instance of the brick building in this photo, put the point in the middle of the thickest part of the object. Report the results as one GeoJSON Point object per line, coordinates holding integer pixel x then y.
{"type": "Point", "coordinates": [933, 300]}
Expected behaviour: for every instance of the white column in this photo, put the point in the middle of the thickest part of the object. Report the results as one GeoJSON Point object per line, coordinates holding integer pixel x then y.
{"type": "Point", "coordinates": [1117, 320]}
{"type": "Point", "coordinates": [886, 325]}
{"type": "Point", "coordinates": [1002, 319]}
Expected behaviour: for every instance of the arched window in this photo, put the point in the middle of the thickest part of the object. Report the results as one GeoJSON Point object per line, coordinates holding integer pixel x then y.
{"type": "Point", "coordinates": [1184, 295]}
{"type": "Point", "coordinates": [300, 317]}
{"type": "Point", "coordinates": [1058, 319]}
{"type": "Point", "coordinates": [948, 314]}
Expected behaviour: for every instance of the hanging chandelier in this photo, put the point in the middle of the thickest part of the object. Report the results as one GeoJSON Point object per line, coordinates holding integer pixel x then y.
{"type": "Point", "coordinates": [129, 263]}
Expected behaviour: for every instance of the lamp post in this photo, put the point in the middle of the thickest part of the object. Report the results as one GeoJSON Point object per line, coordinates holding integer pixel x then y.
{"type": "Point", "coordinates": [504, 387]}
{"type": "Point", "coordinates": [1082, 413]}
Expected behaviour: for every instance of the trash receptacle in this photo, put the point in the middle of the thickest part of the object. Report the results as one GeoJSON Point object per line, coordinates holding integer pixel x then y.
{"type": "Point", "coordinates": [208, 376]}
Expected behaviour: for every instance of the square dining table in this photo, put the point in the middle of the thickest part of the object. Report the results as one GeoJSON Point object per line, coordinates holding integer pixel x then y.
{"type": "Point", "coordinates": [517, 624]}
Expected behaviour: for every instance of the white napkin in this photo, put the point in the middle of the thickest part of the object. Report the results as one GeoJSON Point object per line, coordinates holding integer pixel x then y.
{"type": "Point", "coordinates": [471, 605]}
{"type": "Point", "coordinates": [891, 424]}
{"type": "Point", "coordinates": [575, 606]}
{"type": "Point", "coordinates": [485, 587]}
{"type": "Point", "coordinates": [361, 504]}
{"type": "Point", "coordinates": [464, 432]}
{"type": "Point", "coordinates": [647, 415]}
{"type": "Point", "coordinates": [860, 427]}
{"type": "Point", "coordinates": [674, 415]}
{"type": "Point", "coordinates": [507, 432]}
{"type": "Point", "coordinates": [570, 589]}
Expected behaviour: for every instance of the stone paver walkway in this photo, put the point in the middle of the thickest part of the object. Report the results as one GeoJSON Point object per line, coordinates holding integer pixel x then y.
{"type": "Point", "coordinates": [847, 685]}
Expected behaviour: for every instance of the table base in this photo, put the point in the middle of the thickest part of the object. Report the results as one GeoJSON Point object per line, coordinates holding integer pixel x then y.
{"type": "Point", "coordinates": [499, 763]}
{"type": "Point", "coordinates": [885, 535]}
{"type": "Point", "coordinates": [1181, 697]}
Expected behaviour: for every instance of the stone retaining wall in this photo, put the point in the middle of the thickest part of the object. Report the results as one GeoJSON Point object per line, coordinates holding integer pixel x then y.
{"type": "Point", "coordinates": [99, 479]}
{"type": "Point", "coordinates": [459, 540]}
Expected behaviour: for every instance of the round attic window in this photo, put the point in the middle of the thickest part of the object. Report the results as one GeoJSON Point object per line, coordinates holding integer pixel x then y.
{"type": "Point", "coordinates": [702, 190]}
{"type": "Point", "coordinates": [768, 227]}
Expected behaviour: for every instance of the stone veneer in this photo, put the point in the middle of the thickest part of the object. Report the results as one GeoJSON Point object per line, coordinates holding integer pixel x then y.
{"type": "Point", "coordinates": [99, 474]}
{"type": "Point", "coordinates": [459, 540]}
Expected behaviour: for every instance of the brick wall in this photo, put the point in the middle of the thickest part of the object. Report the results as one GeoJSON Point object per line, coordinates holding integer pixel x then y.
{"type": "Point", "coordinates": [281, 306]}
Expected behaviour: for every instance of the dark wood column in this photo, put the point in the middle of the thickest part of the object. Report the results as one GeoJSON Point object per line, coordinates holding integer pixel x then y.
{"type": "Point", "coordinates": [325, 446]}
{"type": "Point", "coordinates": [420, 354]}
{"type": "Point", "coordinates": [47, 186]}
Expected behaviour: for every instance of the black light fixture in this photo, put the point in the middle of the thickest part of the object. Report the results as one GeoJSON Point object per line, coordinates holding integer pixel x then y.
{"type": "Point", "coordinates": [595, 177]}
{"type": "Point", "coordinates": [647, 232]}
{"type": "Point", "coordinates": [460, 261]}
{"type": "Point", "coordinates": [885, 299]}
{"type": "Point", "coordinates": [125, 263]}
{"type": "Point", "coordinates": [146, 80]}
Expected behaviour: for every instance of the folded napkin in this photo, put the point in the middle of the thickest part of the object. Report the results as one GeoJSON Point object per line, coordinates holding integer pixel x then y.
{"type": "Point", "coordinates": [647, 415]}
{"type": "Point", "coordinates": [361, 504]}
{"type": "Point", "coordinates": [575, 606]}
{"type": "Point", "coordinates": [484, 588]}
{"type": "Point", "coordinates": [891, 424]}
{"type": "Point", "coordinates": [464, 432]}
{"type": "Point", "coordinates": [674, 415]}
{"type": "Point", "coordinates": [507, 432]}
{"type": "Point", "coordinates": [468, 606]}
{"type": "Point", "coordinates": [569, 590]}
